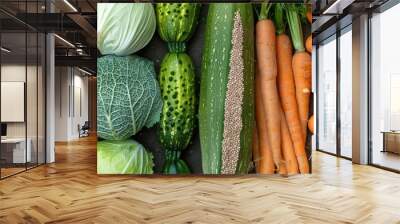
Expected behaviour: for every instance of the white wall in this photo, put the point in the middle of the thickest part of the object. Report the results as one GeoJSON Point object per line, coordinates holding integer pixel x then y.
{"type": "Point", "coordinates": [70, 83]}
{"type": "Point", "coordinates": [33, 127]}
{"type": "Point", "coordinates": [81, 84]}
{"type": "Point", "coordinates": [16, 73]}
{"type": "Point", "coordinates": [61, 103]}
{"type": "Point", "coordinates": [11, 73]}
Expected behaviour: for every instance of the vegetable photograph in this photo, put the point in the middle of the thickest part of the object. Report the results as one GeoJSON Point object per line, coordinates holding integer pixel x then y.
{"type": "Point", "coordinates": [204, 89]}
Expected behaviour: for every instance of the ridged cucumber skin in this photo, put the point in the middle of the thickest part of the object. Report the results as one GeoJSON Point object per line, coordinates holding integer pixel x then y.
{"type": "Point", "coordinates": [214, 79]}
{"type": "Point", "coordinates": [177, 21]}
{"type": "Point", "coordinates": [177, 83]}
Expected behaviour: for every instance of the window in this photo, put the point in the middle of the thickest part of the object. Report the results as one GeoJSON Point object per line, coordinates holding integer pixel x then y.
{"type": "Point", "coordinates": [22, 102]}
{"type": "Point", "coordinates": [385, 89]}
{"type": "Point", "coordinates": [327, 96]}
{"type": "Point", "coordinates": [345, 42]}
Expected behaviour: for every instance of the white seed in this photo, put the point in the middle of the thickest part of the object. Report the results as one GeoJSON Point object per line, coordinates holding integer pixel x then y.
{"type": "Point", "coordinates": [233, 102]}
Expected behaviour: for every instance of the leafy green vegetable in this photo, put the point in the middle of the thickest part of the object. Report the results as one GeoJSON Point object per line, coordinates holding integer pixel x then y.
{"type": "Point", "coordinates": [124, 28]}
{"type": "Point", "coordinates": [123, 157]}
{"type": "Point", "coordinates": [128, 96]}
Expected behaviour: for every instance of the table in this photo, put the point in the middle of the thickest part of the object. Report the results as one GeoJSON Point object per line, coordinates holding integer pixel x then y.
{"type": "Point", "coordinates": [391, 141]}
{"type": "Point", "coordinates": [18, 149]}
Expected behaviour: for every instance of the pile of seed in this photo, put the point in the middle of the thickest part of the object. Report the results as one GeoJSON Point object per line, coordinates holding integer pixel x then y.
{"type": "Point", "coordinates": [233, 102]}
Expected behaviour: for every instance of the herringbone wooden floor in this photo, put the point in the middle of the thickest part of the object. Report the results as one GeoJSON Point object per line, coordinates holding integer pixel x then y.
{"type": "Point", "coordinates": [69, 191]}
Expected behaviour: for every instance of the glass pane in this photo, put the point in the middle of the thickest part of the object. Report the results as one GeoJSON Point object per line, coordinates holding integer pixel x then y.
{"type": "Point", "coordinates": [32, 96]}
{"type": "Point", "coordinates": [346, 94]}
{"type": "Point", "coordinates": [32, 89]}
{"type": "Point", "coordinates": [327, 96]}
{"type": "Point", "coordinates": [385, 84]}
{"type": "Point", "coordinates": [41, 99]}
{"type": "Point", "coordinates": [14, 153]}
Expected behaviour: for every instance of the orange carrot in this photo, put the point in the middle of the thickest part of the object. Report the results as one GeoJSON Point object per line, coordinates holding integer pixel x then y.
{"type": "Point", "coordinates": [309, 43]}
{"type": "Point", "coordinates": [301, 64]}
{"type": "Point", "coordinates": [288, 149]}
{"type": "Point", "coordinates": [309, 16]}
{"type": "Point", "coordinates": [256, 150]}
{"type": "Point", "coordinates": [287, 91]}
{"type": "Point", "coordinates": [302, 76]}
{"type": "Point", "coordinates": [282, 168]}
{"type": "Point", "coordinates": [266, 163]}
{"type": "Point", "coordinates": [267, 68]}
{"type": "Point", "coordinates": [311, 124]}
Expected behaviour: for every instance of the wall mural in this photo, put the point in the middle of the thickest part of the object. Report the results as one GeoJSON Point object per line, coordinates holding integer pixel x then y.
{"type": "Point", "coordinates": [189, 88]}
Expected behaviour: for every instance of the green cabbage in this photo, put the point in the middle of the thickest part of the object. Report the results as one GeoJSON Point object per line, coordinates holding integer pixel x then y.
{"type": "Point", "coordinates": [128, 96]}
{"type": "Point", "coordinates": [124, 28]}
{"type": "Point", "coordinates": [123, 157]}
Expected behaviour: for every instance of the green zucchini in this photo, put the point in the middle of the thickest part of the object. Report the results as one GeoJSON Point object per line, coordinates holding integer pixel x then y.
{"type": "Point", "coordinates": [176, 23]}
{"type": "Point", "coordinates": [177, 83]}
{"type": "Point", "coordinates": [226, 106]}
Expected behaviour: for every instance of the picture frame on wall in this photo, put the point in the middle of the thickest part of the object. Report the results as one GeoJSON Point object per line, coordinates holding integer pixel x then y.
{"type": "Point", "coordinates": [190, 92]}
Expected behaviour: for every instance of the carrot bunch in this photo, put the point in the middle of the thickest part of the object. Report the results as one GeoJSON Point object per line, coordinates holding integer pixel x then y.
{"type": "Point", "coordinates": [283, 88]}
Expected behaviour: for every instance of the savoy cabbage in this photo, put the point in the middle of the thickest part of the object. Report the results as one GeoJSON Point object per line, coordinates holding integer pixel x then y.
{"type": "Point", "coordinates": [128, 96]}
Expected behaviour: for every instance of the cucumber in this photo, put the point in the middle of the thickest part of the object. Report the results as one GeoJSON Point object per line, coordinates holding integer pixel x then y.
{"type": "Point", "coordinates": [176, 23]}
{"type": "Point", "coordinates": [177, 83]}
{"type": "Point", "coordinates": [226, 144]}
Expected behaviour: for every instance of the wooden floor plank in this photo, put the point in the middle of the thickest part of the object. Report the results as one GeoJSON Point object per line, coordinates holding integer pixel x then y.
{"type": "Point", "coordinates": [70, 191]}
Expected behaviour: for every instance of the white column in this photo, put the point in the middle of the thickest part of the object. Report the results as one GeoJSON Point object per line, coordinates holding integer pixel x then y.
{"type": "Point", "coordinates": [50, 94]}
{"type": "Point", "coordinates": [360, 90]}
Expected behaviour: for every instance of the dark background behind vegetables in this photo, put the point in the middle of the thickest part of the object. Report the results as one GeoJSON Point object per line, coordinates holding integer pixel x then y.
{"type": "Point", "coordinates": [156, 51]}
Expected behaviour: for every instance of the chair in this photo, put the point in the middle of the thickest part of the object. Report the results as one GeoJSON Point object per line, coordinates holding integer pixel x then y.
{"type": "Point", "coordinates": [84, 130]}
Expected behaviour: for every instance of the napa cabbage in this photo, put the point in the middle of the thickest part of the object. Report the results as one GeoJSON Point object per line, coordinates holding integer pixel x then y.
{"type": "Point", "coordinates": [123, 157]}
{"type": "Point", "coordinates": [124, 28]}
{"type": "Point", "coordinates": [128, 96]}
